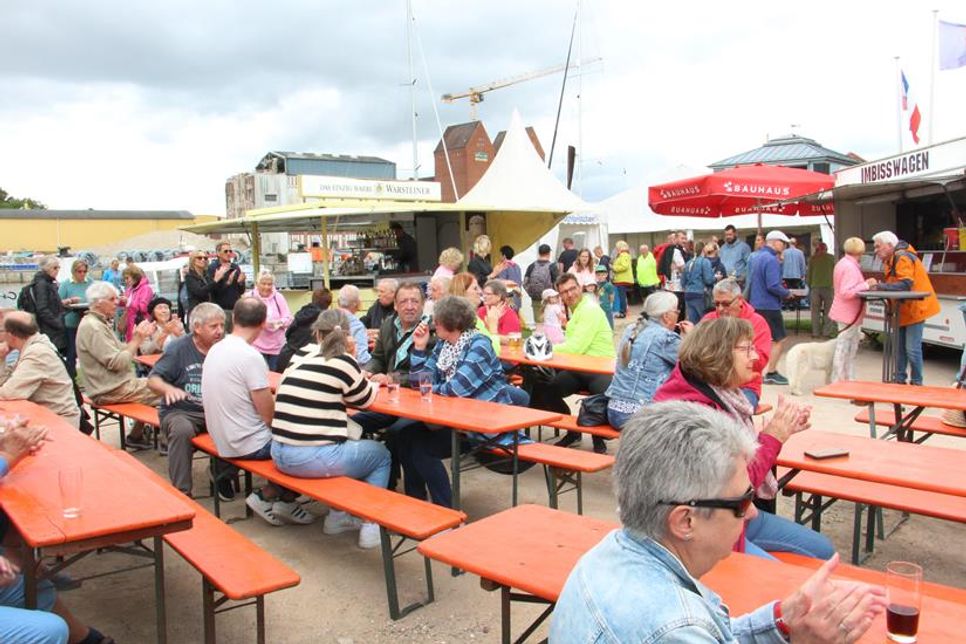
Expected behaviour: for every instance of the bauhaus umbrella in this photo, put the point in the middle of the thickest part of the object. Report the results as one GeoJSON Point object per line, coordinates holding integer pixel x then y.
{"type": "Point", "coordinates": [743, 190]}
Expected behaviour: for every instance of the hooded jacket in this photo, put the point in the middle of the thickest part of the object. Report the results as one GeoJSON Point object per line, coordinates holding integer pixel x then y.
{"type": "Point", "coordinates": [905, 272]}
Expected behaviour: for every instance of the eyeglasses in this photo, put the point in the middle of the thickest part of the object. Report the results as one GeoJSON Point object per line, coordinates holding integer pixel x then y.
{"type": "Point", "coordinates": [738, 505]}
{"type": "Point", "coordinates": [724, 305]}
{"type": "Point", "coordinates": [80, 270]}
{"type": "Point", "coordinates": [747, 348]}
{"type": "Point", "coordinates": [571, 289]}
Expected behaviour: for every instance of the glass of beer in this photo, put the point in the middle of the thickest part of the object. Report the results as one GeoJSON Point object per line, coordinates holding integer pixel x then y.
{"type": "Point", "coordinates": [904, 598]}
{"type": "Point", "coordinates": [515, 341]}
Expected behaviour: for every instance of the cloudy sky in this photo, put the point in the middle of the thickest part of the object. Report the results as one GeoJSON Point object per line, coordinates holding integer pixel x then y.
{"type": "Point", "coordinates": [120, 104]}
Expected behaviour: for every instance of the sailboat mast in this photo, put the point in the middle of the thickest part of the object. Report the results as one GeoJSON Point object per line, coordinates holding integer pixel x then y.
{"type": "Point", "coordinates": [412, 85]}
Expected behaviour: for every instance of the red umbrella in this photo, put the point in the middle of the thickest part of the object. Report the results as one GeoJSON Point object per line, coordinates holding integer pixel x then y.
{"type": "Point", "coordinates": [742, 190]}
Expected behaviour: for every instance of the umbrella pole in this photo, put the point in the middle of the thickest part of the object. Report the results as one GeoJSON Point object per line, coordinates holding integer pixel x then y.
{"type": "Point", "coordinates": [327, 253]}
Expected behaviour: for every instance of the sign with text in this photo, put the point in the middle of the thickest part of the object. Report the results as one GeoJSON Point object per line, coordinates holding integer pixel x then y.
{"type": "Point", "coordinates": [345, 188]}
{"type": "Point", "coordinates": [934, 160]}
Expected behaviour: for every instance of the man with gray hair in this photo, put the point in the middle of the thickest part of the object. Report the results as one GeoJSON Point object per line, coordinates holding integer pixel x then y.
{"type": "Point", "coordinates": [905, 272]}
{"type": "Point", "coordinates": [176, 378]}
{"type": "Point", "coordinates": [108, 363]}
{"type": "Point", "coordinates": [729, 302]}
{"type": "Point", "coordinates": [684, 496]}
{"type": "Point", "coordinates": [39, 375]}
{"type": "Point", "coordinates": [348, 300]}
{"type": "Point", "coordinates": [384, 306]}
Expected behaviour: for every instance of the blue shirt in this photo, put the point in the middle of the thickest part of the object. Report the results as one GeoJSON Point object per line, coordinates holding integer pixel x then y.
{"type": "Point", "coordinates": [734, 256]}
{"type": "Point", "coordinates": [629, 588]}
{"type": "Point", "coordinates": [358, 331]}
{"type": "Point", "coordinates": [765, 291]}
{"type": "Point", "coordinates": [793, 264]}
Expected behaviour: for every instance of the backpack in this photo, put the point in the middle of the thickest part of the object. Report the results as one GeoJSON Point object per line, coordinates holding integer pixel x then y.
{"type": "Point", "coordinates": [538, 280]}
{"type": "Point", "coordinates": [26, 300]}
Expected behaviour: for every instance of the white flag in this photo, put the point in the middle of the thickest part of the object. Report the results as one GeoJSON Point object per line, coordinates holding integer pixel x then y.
{"type": "Point", "coordinates": [952, 45]}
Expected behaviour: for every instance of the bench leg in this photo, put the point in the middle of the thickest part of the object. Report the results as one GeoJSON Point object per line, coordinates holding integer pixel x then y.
{"type": "Point", "coordinates": [208, 610]}
{"type": "Point", "coordinates": [551, 486]}
{"type": "Point", "coordinates": [160, 611]}
{"type": "Point", "coordinates": [580, 493]}
{"type": "Point", "coordinates": [260, 619]}
{"type": "Point", "coordinates": [389, 570]}
{"type": "Point", "coordinates": [856, 532]}
{"type": "Point", "coordinates": [516, 466]}
{"type": "Point", "coordinates": [507, 597]}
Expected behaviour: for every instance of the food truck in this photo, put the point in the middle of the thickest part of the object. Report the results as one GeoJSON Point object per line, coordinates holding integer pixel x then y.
{"type": "Point", "coordinates": [920, 195]}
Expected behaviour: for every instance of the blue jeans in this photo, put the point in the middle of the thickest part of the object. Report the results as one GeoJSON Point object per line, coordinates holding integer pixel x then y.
{"type": "Point", "coordinates": [694, 303]}
{"type": "Point", "coordinates": [372, 422]}
{"type": "Point", "coordinates": [362, 459]}
{"type": "Point", "coordinates": [620, 299]}
{"type": "Point", "coordinates": [910, 350]}
{"type": "Point", "coordinates": [271, 360]}
{"type": "Point", "coordinates": [617, 419]}
{"type": "Point", "coordinates": [17, 624]}
{"type": "Point", "coordinates": [768, 532]}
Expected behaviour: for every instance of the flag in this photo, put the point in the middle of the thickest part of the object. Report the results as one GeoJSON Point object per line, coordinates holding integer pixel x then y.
{"type": "Point", "coordinates": [915, 118]}
{"type": "Point", "coordinates": [952, 45]}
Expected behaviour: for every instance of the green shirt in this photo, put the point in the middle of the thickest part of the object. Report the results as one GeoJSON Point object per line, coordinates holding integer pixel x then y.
{"type": "Point", "coordinates": [70, 288]}
{"type": "Point", "coordinates": [647, 271]}
{"type": "Point", "coordinates": [588, 332]}
{"type": "Point", "coordinates": [820, 270]}
{"type": "Point", "coordinates": [495, 339]}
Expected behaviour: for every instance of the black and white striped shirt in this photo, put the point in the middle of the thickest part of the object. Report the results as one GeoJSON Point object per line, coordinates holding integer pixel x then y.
{"type": "Point", "coordinates": [310, 406]}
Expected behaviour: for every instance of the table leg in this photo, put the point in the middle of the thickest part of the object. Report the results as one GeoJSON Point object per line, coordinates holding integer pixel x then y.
{"type": "Point", "coordinates": [516, 465]}
{"type": "Point", "coordinates": [161, 616]}
{"type": "Point", "coordinates": [30, 578]}
{"type": "Point", "coordinates": [455, 467]}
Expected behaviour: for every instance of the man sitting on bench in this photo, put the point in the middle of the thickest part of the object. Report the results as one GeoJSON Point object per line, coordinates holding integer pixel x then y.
{"type": "Point", "coordinates": [239, 407]}
{"type": "Point", "coordinates": [177, 377]}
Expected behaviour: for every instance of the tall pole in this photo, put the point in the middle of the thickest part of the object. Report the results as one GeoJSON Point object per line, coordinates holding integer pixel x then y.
{"type": "Point", "coordinates": [580, 97]}
{"type": "Point", "coordinates": [898, 103]}
{"type": "Point", "coordinates": [932, 72]}
{"type": "Point", "coordinates": [412, 84]}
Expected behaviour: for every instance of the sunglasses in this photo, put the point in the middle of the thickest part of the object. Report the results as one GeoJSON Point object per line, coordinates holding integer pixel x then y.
{"type": "Point", "coordinates": [739, 505]}
{"type": "Point", "coordinates": [724, 305]}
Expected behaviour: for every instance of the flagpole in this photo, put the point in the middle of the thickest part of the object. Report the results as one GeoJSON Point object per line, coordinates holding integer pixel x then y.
{"type": "Point", "coordinates": [932, 72]}
{"type": "Point", "coordinates": [898, 103]}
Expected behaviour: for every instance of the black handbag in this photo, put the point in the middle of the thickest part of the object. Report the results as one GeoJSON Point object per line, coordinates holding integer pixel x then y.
{"type": "Point", "coordinates": [593, 410]}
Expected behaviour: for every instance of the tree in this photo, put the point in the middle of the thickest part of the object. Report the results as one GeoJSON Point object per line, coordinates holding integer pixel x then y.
{"type": "Point", "coordinates": [8, 201]}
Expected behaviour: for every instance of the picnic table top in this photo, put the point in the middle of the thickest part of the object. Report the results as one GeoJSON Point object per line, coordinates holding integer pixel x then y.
{"type": "Point", "coordinates": [148, 360]}
{"type": "Point", "coordinates": [888, 392]}
{"type": "Point", "coordinates": [565, 361]}
{"type": "Point", "coordinates": [116, 498]}
{"type": "Point", "coordinates": [919, 467]}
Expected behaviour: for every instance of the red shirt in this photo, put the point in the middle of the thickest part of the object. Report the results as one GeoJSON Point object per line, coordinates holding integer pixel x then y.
{"type": "Point", "coordinates": [509, 322]}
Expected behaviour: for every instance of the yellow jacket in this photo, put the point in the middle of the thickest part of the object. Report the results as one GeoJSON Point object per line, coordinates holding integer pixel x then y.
{"type": "Point", "coordinates": [622, 269]}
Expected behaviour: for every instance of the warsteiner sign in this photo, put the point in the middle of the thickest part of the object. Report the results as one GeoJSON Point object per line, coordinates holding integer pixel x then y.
{"type": "Point", "coordinates": [344, 188]}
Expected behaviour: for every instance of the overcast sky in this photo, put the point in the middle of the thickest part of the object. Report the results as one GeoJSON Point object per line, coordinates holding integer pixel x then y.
{"type": "Point", "coordinates": [120, 104]}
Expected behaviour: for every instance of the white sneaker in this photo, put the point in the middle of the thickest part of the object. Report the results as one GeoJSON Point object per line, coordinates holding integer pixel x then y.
{"type": "Point", "coordinates": [293, 512]}
{"type": "Point", "coordinates": [263, 508]}
{"type": "Point", "coordinates": [337, 522]}
{"type": "Point", "coordinates": [369, 536]}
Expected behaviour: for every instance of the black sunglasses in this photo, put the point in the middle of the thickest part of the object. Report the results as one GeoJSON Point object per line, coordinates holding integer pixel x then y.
{"type": "Point", "coordinates": [739, 505]}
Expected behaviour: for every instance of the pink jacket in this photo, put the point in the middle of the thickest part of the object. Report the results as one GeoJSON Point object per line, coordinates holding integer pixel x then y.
{"type": "Point", "coordinates": [847, 281]}
{"type": "Point", "coordinates": [138, 299]}
{"type": "Point", "coordinates": [271, 340]}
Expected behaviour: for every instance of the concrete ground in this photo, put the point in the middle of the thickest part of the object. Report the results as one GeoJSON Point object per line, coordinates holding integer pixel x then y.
{"type": "Point", "coordinates": [342, 595]}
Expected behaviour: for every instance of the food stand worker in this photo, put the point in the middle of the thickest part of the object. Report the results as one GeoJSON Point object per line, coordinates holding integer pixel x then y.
{"type": "Point", "coordinates": [406, 256]}
{"type": "Point", "coordinates": [904, 272]}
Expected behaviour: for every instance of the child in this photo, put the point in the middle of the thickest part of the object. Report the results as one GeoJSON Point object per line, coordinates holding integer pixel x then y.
{"type": "Point", "coordinates": [554, 317]}
{"type": "Point", "coordinates": [605, 293]}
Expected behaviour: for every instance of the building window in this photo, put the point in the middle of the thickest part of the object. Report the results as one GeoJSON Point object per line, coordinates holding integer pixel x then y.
{"type": "Point", "coordinates": [271, 197]}
{"type": "Point", "coordinates": [822, 167]}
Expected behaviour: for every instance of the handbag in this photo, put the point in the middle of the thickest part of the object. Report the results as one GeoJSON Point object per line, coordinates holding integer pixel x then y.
{"type": "Point", "coordinates": [593, 410]}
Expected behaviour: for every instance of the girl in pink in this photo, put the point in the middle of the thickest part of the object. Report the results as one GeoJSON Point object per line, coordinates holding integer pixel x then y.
{"type": "Point", "coordinates": [848, 309]}
{"type": "Point", "coordinates": [554, 317]}
{"type": "Point", "coordinates": [137, 296]}
{"type": "Point", "coordinates": [272, 338]}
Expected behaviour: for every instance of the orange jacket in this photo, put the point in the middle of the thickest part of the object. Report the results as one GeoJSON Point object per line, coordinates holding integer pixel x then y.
{"type": "Point", "coordinates": [904, 272]}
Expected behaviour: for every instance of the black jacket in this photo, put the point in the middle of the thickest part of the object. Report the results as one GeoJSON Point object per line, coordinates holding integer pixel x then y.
{"type": "Point", "coordinates": [481, 268]}
{"type": "Point", "coordinates": [222, 293]}
{"type": "Point", "coordinates": [298, 334]}
{"type": "Point", "coordinates": [384, 353]}
{"type": "Point", "coordinates": [377, 314]}
{"type": "Point", "coordinates": [199, 290]}
{"type": "Point", "coordinates": [50, 310]}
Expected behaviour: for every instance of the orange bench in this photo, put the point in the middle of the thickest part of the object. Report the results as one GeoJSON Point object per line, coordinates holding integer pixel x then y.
{"type": "Point", "coordinates": [569, 423]}
{"type": "Point", "coordinates": [117, 412]}
{"type": "Point", "coordinates": [563, 467]}
{"type": "Point", "coordinates": [928, 424]}
{"type": "Point", "coordinates": [228, 561]}
{"type": "Point", "coordinates": [397, 514]}
{"type": "Point", "coordinates": [868, 496]}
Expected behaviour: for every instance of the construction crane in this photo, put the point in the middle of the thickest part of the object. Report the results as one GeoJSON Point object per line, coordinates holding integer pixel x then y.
{"type": "Point", "coordinates": [475, 94]}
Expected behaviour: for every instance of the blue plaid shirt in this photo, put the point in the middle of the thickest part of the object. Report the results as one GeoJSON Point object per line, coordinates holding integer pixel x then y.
{"type": "Point", "coordinates": [479, 373]}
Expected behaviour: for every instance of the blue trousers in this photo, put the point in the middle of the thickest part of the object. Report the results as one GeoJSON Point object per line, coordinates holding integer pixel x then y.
{"type": "Point", "coordinates": [17, 624]}
{"type": "Point", "coordinates": [620, 299]}
{"type": "Point", "coordinates": [694, 303]}
{"type": "Point", "coordinates": [362, 459]}
{"type": "Point", "coordinates": [769, 532]}
{"type": "Point", "coordinates": [910, 351]}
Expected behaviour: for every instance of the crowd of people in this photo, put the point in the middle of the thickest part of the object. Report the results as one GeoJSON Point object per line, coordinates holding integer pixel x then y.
{"type": "Point", "coordinates": [709, 337]}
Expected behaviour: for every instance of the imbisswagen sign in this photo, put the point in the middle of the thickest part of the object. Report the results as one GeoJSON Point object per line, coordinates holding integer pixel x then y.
{"type": "Point", "coordinates": [342, 187]}
{"type": "Point", "coordinates": [939, 159]}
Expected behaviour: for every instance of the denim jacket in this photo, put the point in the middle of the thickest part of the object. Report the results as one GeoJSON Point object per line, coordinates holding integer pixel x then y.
{"type": "Point", "coordinates": [653, 355]}
{"type": "Point", "coordinates": [629, 588]}
{"type": "Point", "coordinates": [698, 276]}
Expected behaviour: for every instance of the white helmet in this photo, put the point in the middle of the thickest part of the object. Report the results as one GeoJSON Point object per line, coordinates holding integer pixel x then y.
{"type": "Point", "coordinates": [538, 347]}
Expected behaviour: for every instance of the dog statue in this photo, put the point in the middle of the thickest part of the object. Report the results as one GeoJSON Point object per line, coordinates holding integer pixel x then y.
{"type": "Point", "coordinates": [805, 356]}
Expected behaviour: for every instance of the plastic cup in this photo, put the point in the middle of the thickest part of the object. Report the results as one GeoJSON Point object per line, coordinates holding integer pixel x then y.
{"type": "Point", "coordinates": [392, 386]}
{"type": "Point", "coordinates": [904, 598]}
{"type": "Point", "coordinates": [426, 386]}
{"type": "Point", "coordinates": [71, 479]}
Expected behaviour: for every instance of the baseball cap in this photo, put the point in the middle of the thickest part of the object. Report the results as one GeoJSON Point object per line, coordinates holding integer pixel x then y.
{"type": "Point", "coordinates": [601, 269]}
{"type": "Point", "coordinates": [777, 234]}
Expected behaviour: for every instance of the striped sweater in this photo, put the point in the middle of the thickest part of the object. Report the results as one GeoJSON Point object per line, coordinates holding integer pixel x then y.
{"type": "Point", "coordinates": [310, 406]}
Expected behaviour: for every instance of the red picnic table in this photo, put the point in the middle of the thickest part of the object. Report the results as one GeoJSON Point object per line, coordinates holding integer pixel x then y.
{"type": "Point", "coordinates": [111, 514]}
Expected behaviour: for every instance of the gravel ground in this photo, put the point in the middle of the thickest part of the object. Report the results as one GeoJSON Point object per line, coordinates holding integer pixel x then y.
{"type": "Point", "coordinates": [342, 596]}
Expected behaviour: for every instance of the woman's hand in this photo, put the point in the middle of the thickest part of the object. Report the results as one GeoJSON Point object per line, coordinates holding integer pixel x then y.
{"type": "Point", "coordinates": [685, 326]}
{"type": "Point", "coordinates": [421, 336]}
{"type": "Point", "coordinates": [826, 610]}
{"type": "Point", "coordinates": [871, 282]}
{"type": "Point", "coordinates": [493, 315]}
{"type": "Point", "coordinates": [221, 270]}
{"type": "Point", "coordinates": [174, 327]}
{"type": "Point", "coordinates": [789, 418]}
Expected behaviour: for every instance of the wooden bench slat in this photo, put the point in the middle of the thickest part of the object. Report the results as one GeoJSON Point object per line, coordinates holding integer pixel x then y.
{"type": "Point", "coordinates": [137, 412]}
{"type": "Point", "coordinates": [929, 424]}
{"type": "Point", "coordinates": [569, 423]}
{"type": "Point", "coordinates": [565, 458]}
{"type": "Point", "coordinates": [396, 512]}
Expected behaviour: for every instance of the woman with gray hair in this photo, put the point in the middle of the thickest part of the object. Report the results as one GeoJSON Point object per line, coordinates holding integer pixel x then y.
{"type": "Point", "coordinates": [311, 433]}
{"type": "Point", "coordinates": [647, 354]}
{"type": "Point", "coordinates": [848, 308]}
{"type": "Point", "coordinates": [684, 495]}
{"type": "Point", "coordinates": [47, 303]}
